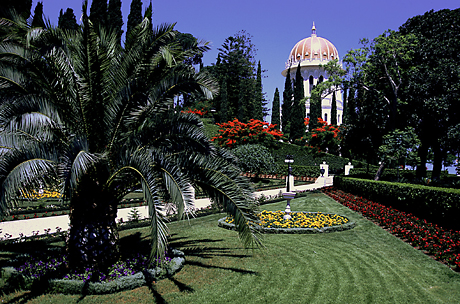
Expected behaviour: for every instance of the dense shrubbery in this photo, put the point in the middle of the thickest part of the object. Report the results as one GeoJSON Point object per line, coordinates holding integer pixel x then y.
{"type": "Point", "coordinates": [437, 205]}
{"type": "Point", "coordinates": [302, 157]}
{"type": "Point", "coordinates": [255, 158]}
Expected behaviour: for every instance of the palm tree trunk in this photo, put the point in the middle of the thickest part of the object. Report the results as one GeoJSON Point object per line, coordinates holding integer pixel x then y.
{"type": "Point", "coordinates": [93, 237]}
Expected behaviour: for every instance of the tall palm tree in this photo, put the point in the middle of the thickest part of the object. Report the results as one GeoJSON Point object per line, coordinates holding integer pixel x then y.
{"type": "Point", "coordinates": [79, 111]}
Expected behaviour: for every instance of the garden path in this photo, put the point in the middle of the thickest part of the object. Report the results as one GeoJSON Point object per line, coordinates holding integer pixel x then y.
{"type": "Point", "coordinates": [44, 225]}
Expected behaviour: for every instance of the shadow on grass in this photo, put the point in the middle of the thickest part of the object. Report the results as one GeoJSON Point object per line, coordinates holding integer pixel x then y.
{"type": "Point", "coordinates": [199, 264]}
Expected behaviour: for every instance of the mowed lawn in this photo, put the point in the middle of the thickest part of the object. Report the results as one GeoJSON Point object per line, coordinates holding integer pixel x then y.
{"type": "Point", "coordinates": [362, 265]}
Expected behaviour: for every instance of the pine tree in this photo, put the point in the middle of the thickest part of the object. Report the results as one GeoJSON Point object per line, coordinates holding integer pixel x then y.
{"type": "Point", "coordinates": [98, 13]}
{"type": "Point", "coordinates": [67, 20]}
{"type": "Point", "coordinates": [135, 15]}
{"type": "Point", "coordinates": [333, 110]}
{"type": "Point", "coordinates": [258, 101]}
{"type": "Point", "coordinates": [38, 16]}
{"type": "Point", "coordinates": [287, 103]}
{"type": "Point", "coordinates": [298, 108]}
{"type": "Point", "coordinates": [276, 109]}
{"type": "Point", "coordinates": [115, 18]}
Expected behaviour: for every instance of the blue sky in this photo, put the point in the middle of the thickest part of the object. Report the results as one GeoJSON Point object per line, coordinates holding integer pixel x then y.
{"type": "Point", "coordinates": [276, 26]}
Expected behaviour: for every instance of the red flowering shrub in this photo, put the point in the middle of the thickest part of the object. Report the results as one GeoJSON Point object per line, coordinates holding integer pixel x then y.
{"type": "Point", "coordinates": [443, 245]}
{"type": "Point", "coordinates": [325, 138]}
{"type": "Point", "coordinates": [201, 112]}
{"type": "Point", "coordinates": [235, 133]}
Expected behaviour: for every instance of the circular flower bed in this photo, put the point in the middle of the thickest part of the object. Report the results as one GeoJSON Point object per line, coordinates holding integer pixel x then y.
{"type": "Point", "coordinates": [300, 222]}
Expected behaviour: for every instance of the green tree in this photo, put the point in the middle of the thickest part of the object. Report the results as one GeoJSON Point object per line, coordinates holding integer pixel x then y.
{"type": "Point", "coordinates": [333, 110]}
{"type": "Point", "coordinates": [434, 80]}
{"type": "Point", "coordinates": [276, 117]}
{"type": "Point", "coordinates": [115, 18]}
{"type": "Point", "coordinates": [235, 62]}
{"type": "Point", "coordinates": [98, 13]}
{"type": "Point", "coordinates": [98, 120]}
{"type": "Point", "coordinates": [287, 104]}
{"type": "Point", "coordinates": [298, 109]}
{"type": "Point", "coordinates": [224, 101]}
{"type": "Point", "coordinates": [259, 101]}
{"type": "Point", "coordinates": [135, 15]}
{"type": "Point", "coordinates": [38, 16]}
{"type": "Point", "coordinates": [67, 20]}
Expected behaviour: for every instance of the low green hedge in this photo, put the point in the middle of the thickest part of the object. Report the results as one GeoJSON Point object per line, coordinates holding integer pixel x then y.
{"type": "Point", "coordinates": [389, 174]}
{"type": "Point", "coordinates": [437, 205]}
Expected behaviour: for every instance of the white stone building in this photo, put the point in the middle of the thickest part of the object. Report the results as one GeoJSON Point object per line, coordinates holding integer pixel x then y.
{"type": "Point", "coordinates": [311, 52]}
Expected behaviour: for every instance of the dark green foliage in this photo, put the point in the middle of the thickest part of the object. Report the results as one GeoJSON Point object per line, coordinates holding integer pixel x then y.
{"type": "Point", "coordinates": [148, 14]}
{"type": "Point", "coordinates": [259, 96]}
{"type": "Point", "coordinates": [287, 104]}
{"type": "Point", "coordinates": [255, 158]}
{"type": "Point", "coordinates": [38, 16]}
{"type": "Point", "coordinates": [21, 7]}
{"type": "Point", "coordinates": [438, 205]}
{"type": "Point", "coordinates": [315, 110]}
{"type": "Point", "coordinates": [67, 20]}
{"type": "Point", "coordinates": [223, 114]}
{"type": "Point", "coordinates": [135, 15]}
{"type": "Point", "coordinates": [115, 18]}
{"type": "Point", "coordinates": [434, 76]}
{"type": "Point", "coordinates": [297, 128]}
{"type": "Point", "coordinates": [276, 117]}
{"type": "Point", "coordinates": [235, 62]}
{"type": "Point", "coordinates": [345, 104]}
{"type": "Point", "coordinates": [98, 13]}
{"type": "Point", "coordinates": [333, 110]}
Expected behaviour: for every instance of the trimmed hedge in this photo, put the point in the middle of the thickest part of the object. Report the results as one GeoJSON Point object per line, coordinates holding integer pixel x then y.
{"type": "Point", "coordinates": [438, 205]}
{"type": "Point", "coordinates": [389, 174]}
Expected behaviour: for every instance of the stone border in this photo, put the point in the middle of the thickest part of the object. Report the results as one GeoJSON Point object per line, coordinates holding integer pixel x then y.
{"type": "Point", "coordinates": [347, 226]}
{"type": "Point", "coordinates": [63, 286]}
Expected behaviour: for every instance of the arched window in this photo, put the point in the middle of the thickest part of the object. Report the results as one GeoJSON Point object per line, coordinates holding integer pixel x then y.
{"type": "Point", "coordinates": [311, 83]}
{"type": "Point", "coordinates": [325, 117]}
{"type": "Point", "coordinates": [321, 78]}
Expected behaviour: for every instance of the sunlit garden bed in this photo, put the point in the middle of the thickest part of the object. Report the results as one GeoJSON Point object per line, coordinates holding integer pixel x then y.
{"type": "Point", "coordinates": [300, 222]}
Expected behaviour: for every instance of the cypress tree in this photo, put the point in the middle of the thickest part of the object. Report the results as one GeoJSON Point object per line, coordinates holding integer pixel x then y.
{"type": "Point", "coordinates": [333, 110]}
{"type": "Point", "coordinates": [98, 13]}
{"type": "Point", "coordinates": [67, 20]}
{"type": "Point", "coordinates": [38, 16]}
{"type": "Point", "coordinates": [276, 110]}
{"type": "Point", "coordinates": [135, 15]}
{"type": "Point", "coordinates": [115, 18]}
{"type": "Point", "coordinates": [351, 107]}
{"type": "Point", "coordinates": [315, 109]}
{"type": "Point", "coordinates": [344, 111]}
{"type": "Point", "coordinates": [258, 101]}
{"type": "Point", "coordinates": [223, 115]}
{"type": "Point", "coordinates": [287, 103]}
{"type": "Point", "coordinates": [298, 108]}
{"type": "Point", "coordinates": [148, 14]}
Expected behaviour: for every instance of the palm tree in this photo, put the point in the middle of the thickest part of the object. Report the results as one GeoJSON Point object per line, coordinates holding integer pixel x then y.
{"type": "Point", "coordinates": [98, 120]}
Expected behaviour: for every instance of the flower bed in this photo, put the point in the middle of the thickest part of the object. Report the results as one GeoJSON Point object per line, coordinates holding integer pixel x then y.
{"type": "Point", "coordinates": [127, 274]}
{"type": "Point", "coordinates": [443, 245]}
{"type": "Point", "coordinates": [300, 222]}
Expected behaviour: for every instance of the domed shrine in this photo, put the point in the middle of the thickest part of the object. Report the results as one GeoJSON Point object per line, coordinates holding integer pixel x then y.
{"type": "Point", "coordinates": [310, 53]}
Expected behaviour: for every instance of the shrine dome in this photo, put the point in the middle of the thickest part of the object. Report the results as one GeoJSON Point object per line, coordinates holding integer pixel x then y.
{"type": "Point", "coordinates": [310, 50]}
